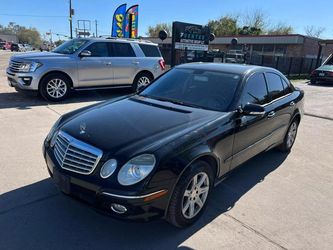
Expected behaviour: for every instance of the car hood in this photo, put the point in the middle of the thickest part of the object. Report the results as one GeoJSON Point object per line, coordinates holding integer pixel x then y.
{"type": "Point", "coordinates": [325, 68]}
{"type": "Point", "coordinates": [38, 56]}
{"type": "Point", "coordinates": [135, 124]}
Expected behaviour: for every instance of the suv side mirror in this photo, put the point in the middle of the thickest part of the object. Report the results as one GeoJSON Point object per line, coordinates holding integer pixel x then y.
{"type": "Point", "coordinates": [253, 110]}
{"type": "Point", "coordinates": [85, 53]}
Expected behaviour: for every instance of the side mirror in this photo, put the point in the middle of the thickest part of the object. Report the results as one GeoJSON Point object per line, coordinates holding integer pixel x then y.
{"type": "Point", "coordinates": [85, 53]}
{"type": "Point", "coordinates": [253, 110]}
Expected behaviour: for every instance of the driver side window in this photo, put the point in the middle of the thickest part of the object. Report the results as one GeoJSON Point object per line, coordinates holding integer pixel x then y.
{"type": "Point", "coordinates": [255, 90]}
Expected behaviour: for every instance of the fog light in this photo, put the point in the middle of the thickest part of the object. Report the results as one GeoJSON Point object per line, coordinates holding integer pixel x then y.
{"type": "Point", "coordinates": [108, 168]}
{"type": "Point", "coordinates": [119, 209]}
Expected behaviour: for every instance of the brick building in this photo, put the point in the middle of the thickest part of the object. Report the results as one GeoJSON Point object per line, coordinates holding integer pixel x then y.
{"type": "Point", "coordinates": [294, 45]}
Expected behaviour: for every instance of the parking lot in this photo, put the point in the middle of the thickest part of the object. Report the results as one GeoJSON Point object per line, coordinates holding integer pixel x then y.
{"type": "Point", "coordinates": [274, 201]}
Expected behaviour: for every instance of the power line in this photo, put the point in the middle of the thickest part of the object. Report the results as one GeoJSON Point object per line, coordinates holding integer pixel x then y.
{"type": "Point", "coordinates": [31, 15]}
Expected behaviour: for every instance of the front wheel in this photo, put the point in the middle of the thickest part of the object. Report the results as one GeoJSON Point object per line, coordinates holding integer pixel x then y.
{"type": "Point", "coordinates": [55, 87]}
{"type": "Point", "coordinates": [190, 195]}
{"type": "Point", "coordinates": [290, 137]}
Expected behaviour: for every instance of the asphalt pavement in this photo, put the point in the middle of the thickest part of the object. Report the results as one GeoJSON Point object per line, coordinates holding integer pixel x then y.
{"type": "Point", "coordinates": [275, 201]}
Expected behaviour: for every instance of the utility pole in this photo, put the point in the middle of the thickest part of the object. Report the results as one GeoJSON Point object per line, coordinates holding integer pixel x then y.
{"type": "Point", "coordinates": [71, 12]}
{"type": "Point", "coordinates": [96, 28]}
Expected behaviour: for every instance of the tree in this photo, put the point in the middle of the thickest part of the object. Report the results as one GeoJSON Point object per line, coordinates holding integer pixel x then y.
{"type": "Point", "coordinates": [25, 35]}
{"type": "Point", "coordinates": [257, 20]}
{"type": "Point", "coordinates": [280, 29]}
{"type": "Point", "coordinates": [224, 26]}
{"type": "Point", "coordinates": [313, 31]}
{"type": "Point", "coordinates": [154, 30]}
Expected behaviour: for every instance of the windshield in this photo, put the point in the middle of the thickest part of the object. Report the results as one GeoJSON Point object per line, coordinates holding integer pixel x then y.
{"type": "Point", "coordinates": [70, 46]}
{"type": "Point", "coordinates": [196, 88]}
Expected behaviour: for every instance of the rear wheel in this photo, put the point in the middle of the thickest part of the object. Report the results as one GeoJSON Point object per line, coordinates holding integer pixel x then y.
{"type": "Point", "coordinates": [290, 137]}
{"type": "Point", "coordinates": [190, 195]}
{"type": "Point", "coordinates": [142, 80]}
{"type": "Point", "coordinates": [313, 81]}
{"type": "Point", "coordinates": [55, 87]}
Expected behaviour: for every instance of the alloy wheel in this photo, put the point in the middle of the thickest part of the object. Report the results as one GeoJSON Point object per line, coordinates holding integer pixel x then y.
{"type": "Point", "coordinates": [291, 134]}
{"type": "Point", "coordinates": [195, 195]}
{"type": "Point", "coordinates": [56, 88]}
{"type": "Point", "coordinates": [143, 82]}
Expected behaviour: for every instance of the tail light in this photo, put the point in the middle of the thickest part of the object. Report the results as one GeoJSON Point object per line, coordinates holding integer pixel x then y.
{"type": "Point", "coordinates": [162, 64]}
{"type": "Point", "coordinates": [330, 73]}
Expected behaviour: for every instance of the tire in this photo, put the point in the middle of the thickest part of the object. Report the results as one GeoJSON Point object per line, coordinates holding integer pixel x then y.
{"type": "Point", "coordinates": [290, 137]}
{"type": "Point", "coordinates": [50, 82]}
{"type": "Point", "coordinates": [313, 81]}
{"type": "Point", "coordinates": [180, 199]}
{"type": "Point", "coordinates": [142, 79]}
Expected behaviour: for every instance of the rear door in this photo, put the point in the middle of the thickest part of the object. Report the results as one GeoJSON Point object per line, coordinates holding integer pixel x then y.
{"type": "Point", "coordinates": [252, 133]}
{"type": "Point", "coordinates": [281, 106]}
{"type": "Point", "coordinates": [124, 62]}
{"type": "Point", "coordinates": [96, 70]}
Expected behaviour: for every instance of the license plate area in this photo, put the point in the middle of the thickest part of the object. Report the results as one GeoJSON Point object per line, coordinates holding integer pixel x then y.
{"type": "Point", "coordinates": [62, 181]}
{"type": "Point", "coordinates": [321, 74]}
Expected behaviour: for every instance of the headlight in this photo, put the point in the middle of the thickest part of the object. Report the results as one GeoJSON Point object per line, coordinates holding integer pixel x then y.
{"type": "Point", "coordinates": [53, 129]}
{"type": "Point", "coordinates": [136, 169]}
{"type": "Point", "coordinates": [29, 67]}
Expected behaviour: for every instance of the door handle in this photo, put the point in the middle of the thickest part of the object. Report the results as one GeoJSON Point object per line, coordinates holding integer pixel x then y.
{"type": "Point", "coordinates": [271, 114]}
{"type": "Point", "coordinates": [108, 63]}
{"type": "Point", "coordinates": [135, 62]}
{"type": "Point", "coordinates": [292, 103]}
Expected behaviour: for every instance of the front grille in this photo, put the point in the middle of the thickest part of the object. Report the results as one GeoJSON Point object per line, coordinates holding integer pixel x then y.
{"type": "Point", "coordinates": [14, 66]}
{"type": "Point", "coordinates": [75, 155]}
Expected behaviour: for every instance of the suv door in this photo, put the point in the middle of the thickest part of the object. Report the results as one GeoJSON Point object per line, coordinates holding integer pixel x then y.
{"type": "Point", "coordinates": [281, 106]}
{"type": "Point", "coordinates": [124, 62]}
{"type": "Point", "coordinates": [252, 132]}
{"type": "Point", "coordinates": [95, 70]}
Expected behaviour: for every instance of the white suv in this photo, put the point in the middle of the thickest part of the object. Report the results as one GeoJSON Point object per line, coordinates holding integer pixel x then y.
{"type": "Point", "coordinates": [86, 63]}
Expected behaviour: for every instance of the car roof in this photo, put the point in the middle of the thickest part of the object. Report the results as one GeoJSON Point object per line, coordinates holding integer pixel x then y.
{"type": "Point", "coordinates": [241, 69]}
{"type": "Point", "coordinates": [116, 39]}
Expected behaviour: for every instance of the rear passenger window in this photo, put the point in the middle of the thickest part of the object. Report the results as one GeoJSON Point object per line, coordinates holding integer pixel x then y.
{"type": "Point", "coordinates": [150, 50]}
{"type": "Point", "coordinates": [98, 50]}
{"type": "Point", "coordinates": [286, 86]}
{"type": "Point", "coordinates": [255, 90]}
{"type": "Point", "coordinates": [122, 50]}
{"type": "Point", "coordinates": [274, 85]}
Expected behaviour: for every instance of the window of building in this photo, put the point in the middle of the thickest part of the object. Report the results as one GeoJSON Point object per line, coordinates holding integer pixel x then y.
{"type": "Point", "coordinates": [280, 49]}
{"type": "Point", "coordinates": [268, 48]}
{"type": "Point", "coordinates": [257, 48]}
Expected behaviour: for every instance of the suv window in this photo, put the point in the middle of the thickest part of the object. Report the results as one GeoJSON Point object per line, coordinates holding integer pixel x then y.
{"type": "Point", "coordinates": [255, 90]}
{"type": "Point", "coordinates": [150, 50]}
{"type": "Point", "coordinates": [99, 49]}
{"type": "Point", "coordinates": [122, 50]}
{"type": "Point", "coordinates": [274, 85]}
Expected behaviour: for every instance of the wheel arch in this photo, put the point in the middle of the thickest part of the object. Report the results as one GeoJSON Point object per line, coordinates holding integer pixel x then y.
{"type": "Point", "coordinates": [144, 71]}
{"type": "Point", "coordinates": [55, 72]}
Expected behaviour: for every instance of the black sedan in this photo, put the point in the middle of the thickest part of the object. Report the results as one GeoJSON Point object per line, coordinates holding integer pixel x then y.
{"type": "Point", "coordinates": [158, 153]}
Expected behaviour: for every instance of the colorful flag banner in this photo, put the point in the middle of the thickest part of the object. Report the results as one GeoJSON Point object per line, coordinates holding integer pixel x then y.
{"type": "Point", "coordinates": [118, 23]}
{"type": "Point", "coordinates": [132, 22]}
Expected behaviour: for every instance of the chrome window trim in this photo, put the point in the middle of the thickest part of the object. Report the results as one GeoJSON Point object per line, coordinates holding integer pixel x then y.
{"type": "Point", "coordinates": [131, 196]}
{"type": "Point", "coordinates": [80, 145]}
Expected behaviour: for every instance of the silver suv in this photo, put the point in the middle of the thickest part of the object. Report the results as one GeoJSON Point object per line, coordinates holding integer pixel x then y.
{"type": "Point", "coordinates": [86, 63]}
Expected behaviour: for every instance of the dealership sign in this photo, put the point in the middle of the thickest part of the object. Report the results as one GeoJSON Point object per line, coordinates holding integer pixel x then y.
{"type": "Point", "coordinates": [190, 36]}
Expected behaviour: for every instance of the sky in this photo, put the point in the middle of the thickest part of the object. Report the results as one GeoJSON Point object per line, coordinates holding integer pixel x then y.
{"type": "Point", "coordinates": [52, 15]}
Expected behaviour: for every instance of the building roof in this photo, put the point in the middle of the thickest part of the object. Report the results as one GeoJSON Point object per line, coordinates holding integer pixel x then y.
{"type": "Point", "coordinates": [259, 39]}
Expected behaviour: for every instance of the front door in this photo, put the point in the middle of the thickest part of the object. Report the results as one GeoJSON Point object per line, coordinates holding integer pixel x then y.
{"type": "Point", "coordinates": [252, 133]}
{"type": "Point", "coordinates": [96, 70]}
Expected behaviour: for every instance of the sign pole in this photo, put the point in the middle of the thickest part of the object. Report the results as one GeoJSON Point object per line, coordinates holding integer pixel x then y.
{"type": "Point", "coordinates": [173, 49]}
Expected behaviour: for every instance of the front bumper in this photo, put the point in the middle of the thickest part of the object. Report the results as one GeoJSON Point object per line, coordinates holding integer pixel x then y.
{"type": "Point", "coordinates": [139, 207]}
{"type": "Point", "coordinates": [325, 78]}
{"type": "Point", "coordinates": [23, 81]}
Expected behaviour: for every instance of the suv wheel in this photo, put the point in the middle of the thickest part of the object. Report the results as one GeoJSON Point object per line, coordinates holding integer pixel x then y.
{"type": "Point", "coordinates": [141, 80]}
{"type": "Point", "coordinates": [190, 195]}
{"type": "Point", "coordinates": [290, 137]}
{"type": "Point", "coordinates": [55, 87]}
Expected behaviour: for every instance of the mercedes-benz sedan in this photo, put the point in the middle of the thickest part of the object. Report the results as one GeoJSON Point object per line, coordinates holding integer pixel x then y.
{"type": "Point", "coordinates": [159, 153]}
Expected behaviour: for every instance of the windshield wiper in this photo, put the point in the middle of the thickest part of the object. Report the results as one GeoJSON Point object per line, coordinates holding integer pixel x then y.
{"type": "Point", "coordinates": [174, 101]}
